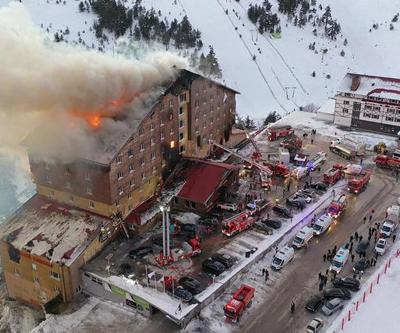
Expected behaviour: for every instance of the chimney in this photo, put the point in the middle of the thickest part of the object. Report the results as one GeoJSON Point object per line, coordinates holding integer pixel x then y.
{"type": "Point", "coordinates": [355, 82]}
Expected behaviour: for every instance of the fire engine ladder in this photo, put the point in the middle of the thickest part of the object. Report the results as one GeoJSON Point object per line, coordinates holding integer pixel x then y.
{"type": "Point", "coordinates": [262, 168]}
{"type": "Point", "coordinates": [120, 221]}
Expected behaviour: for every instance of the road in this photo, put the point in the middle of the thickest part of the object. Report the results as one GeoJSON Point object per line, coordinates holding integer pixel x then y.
{"type": "Point", "coordinates": [301, 277]}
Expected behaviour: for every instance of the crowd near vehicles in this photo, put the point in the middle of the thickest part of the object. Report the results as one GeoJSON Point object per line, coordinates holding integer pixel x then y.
{"type": "Point", "coordinates": [339, 260]}
{"type": "Point", "coordinates": [322, 224]}
{"type": "Point", "coordinates": [282, 258]}
{"type": "Point", "coordinates": [337, 206]}
{"type": "Point", "coordinates": [275, 133]}
{"type": "Point", "coordinates": [237, 223]}
{"type": "Point", "coordinates": [241, 299]}
{"type": "Point", "coordinates": [358, 183]}
{"type": "Point", "coordinates": [303, 237]}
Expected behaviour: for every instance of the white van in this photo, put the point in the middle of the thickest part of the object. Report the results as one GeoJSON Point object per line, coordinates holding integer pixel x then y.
{"type": "Point", "coordinates": [300, 172]}
{"type": "Point", "coordinates": [340, 259]}
{"type": "Point", "coordinates": [282, 258]}
{"type": "Point", "coordinates": [303, 237]}
{"type": "Point", "coordinates": [322, 224]}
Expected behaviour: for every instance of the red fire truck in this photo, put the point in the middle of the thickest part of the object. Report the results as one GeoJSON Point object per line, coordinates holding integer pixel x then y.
{"type": "Point", "coordinates": [389, 162]}
{"type": "Point", "coordinates": [241, 299]}
{"type": "Point", "coordinates": [337, 206]}
{"type": "Point", "coordinates": [279, 132]}
{"type": "Point", "coordinates": [278, 169]}
{"type": "Point", "coordinates": [333, 175]}
{"type": "Point", "coordinates": [358, 183]}
{"type": "Point", "coordinates": [237, 223]}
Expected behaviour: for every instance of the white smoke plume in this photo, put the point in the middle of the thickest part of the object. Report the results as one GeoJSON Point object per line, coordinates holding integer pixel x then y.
{"type": "Point", "coordinates": [42, 83]}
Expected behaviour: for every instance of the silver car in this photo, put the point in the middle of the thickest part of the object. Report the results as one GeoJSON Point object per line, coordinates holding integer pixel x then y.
{"type": "Point", "coordinates": [332, 306]}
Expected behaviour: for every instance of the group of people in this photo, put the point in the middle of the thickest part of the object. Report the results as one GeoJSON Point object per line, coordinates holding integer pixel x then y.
{"type": "Point", "coordinates": [265, 273]}
{"type": "Point", "coordinates": [323, 280]}
{"type": "Point", "coordinates": [331, 253]}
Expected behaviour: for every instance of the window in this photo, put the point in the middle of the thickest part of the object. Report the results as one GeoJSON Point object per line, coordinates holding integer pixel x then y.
{"type": "Point", "coordinates": [46, 166]}
{"type": "Point", "coordinates": [54, 275]}
{"type": "Point", "coordinates": [88, 176]}
{"type": "Point", "coordinates": [375, 116]}
{"type": "Point", "coordinates": [171, 116]}
{"type": "Point", "coordinates": [71, 198]}
{"type": "Point", "coordinates": [172, 144]}
{"type": "Point", "coordinates": [368, 107]}
{"type": "Point", "coordinates": [142, 147]}
{"type": "Point", "coordinates": [212, 108]}
{"type": "Point", "coordinates": [91, 204]}
{"type": "Point", "coordinates": [152, 127]}
{"type": "Point", "coordinates": [356, 106]}
{"type": "Point", "coordinates": [89, 190]}
{"type": "Point", "coordinates": [162, 136]}
{"type": "Point", "coordinates": [67, 171]}
{"type": "Point", "coordinates": [345, 110]}
{"type": "Point", "coordinates": [389, 118]}
{"type": "Point", "coordinates": [196, 117]}
{"type": "Point", "coordinates": [196, 103]}
{"type": "Point", "coordinates": [130, 153]}
{"type": "Point", "coordinates": [171, 104]}
{"type": "Point", "coordinates": [152, 141]}
{"type": "Point", "coordinates": [377, 108]}
{"type": "Point", "coordinates": [391, 111]}
{"type": "Point", "coordinates": [180, 123]}
{"type": "Point", "coordinates": [131, 183]}
{"type": "Point", "coordinates": [162, 106]}
{"type": "Point", "coordinates": [347, 94]}
{"type": "Point", "coordinates": [182, 149]}
{"type": "Point", "coordinates": [153, 155]}
{"type": "Point", "coordinates": [181, 110]}
{"type": "Point", "coordinates": [48, 179]}
{"type": "Point", "coordinates": [35, 279]}
{"type": "Point", "coordinates": [131, 168]}
{"type": "Point", "coordinates": [180, 136]}
{"type": "Point", "coordinates": [346, 102]}
{"type": "Point", "coordinates": [120, 190]}
{"type": "Point", "coordinates": [212, 120]}
{"type": "Point", "coordinates": [198, 139]}
{"type": "Point", "coordinates": [120, 175]}
{"type": "Point", "coordinates": [142, 162]}
{"type": "Point", "coordinates": [117, 203]}
{"type": "Point", "coordinates": [34, 267]}
{"type": "Point", "coordinates": [154, 169]}
{"type": "Point", "coordinates": [141, 131]}
{"type": "Point", "coordinates": [161, 121]}
{"type": "Point", "coordinates": [143, 176]}
{"type": "Point", "coordinates": [68, 185]}
{"type": "Point", "coordinates": [182, 98]}
{"type": "Point", "coordinates": [171, 131]}
{"type": "Point", "coordinates": [129, 195]}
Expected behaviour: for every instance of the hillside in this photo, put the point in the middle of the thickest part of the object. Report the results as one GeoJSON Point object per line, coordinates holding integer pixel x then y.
{"type": "Point", "coordinates": [279, 78]}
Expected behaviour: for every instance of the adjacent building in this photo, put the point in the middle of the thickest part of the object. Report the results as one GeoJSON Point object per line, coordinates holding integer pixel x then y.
{"type": "Point", "coordinates": [191, 111]}
{"type": "Point", "coordinates": [368, 102]}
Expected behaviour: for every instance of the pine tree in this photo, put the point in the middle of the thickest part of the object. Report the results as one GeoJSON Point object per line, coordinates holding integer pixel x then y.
{"type": "Point", "coordinates": [342, 53]}
{"type": "Point", "coordinates": [249, 123]}
{"type": "Point", "coordinates": [81, 7]}
{"type": "Point", "coordinates": [213, 65]}
{"type": "Point", "coordinates": [345, 42]}
{"type": "Point", "coordinates": [203, 64]}
{"type": "Point", "coordinates": [271, 118]}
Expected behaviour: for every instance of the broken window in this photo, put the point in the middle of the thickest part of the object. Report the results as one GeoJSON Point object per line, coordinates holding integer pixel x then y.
{"type": "Point", "coordinates": [14, 254]}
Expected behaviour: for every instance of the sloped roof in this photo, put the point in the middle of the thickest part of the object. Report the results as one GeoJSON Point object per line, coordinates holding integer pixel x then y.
{"type": "Point", "coordinates": [51, 230]}
{"type": "Point", "coordinates": [203, 178]}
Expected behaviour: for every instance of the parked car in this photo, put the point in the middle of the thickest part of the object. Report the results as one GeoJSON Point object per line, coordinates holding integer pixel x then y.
{"type": "Point", "coordinates": [224, 259]}
{"type": "Point", "coordinates": [185, 295]}
{"type": "Point", "coordinates": [347, 282]}
{"type": "Point", "coordinates": [341, 293]}
{"type": "Point", "coordinates": [307, 198]}
{"type": "Point", "coordinates": [296, 202]}
{"type": "Point", "coordinates": [319, 186]}
{"type": "Point", "coordinates": [126, 269]}
{"type": "Point", "coordinates": [314, 303]}
{"type": "Point", "coordinates": [228, 206]}
{"type": "Point", "coordinates": [283, 211]}
{"type": "Point", "coordinates": [315, 325]}
{"type": "Point", "coordinates": [386, 229]}
{"type": "Point", "coordinates": [213, 267]}
{"type": "Point", "coordinates": [380, 247]}
{"type": "Point", "coordinates": [140, 252]}
{"type": "Point", "coordinates": [263, 228]}
{"type": "Point", "coordinates": [272, 223]}
{"type": "Point", "coordinates": [309, 192]}
{"type": "Point", "coordinates": [361, 265]}
{"type": "Point", "coordinates": [190, 284]}
{"type": "Point", "coordinates": [332, 306]}
{"type": "Point", "coordinates": [362, 247]}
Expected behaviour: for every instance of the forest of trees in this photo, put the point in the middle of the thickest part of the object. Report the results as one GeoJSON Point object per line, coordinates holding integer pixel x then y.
{"type": "Point", "coordinates": [263, 18]}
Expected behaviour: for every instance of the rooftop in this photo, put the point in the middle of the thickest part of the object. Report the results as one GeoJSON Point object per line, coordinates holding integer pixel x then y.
{"type": "Point", "coordinates": [376, 86]}
{"type": "Point", "coordinates": [51, 230]}
{"type": "Point", "coordinates": [202, 179]}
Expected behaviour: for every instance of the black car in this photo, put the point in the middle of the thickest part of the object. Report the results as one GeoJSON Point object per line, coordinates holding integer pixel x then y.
{"type": "Point", "coordinates": [126, 269]}
{"type": "Point", "coordinates": [183, 294]}
{"type": "Point", "coordinates": [190, 284]}
{"type": "Point", "coordinates": [224, 259]}
{"type": "Point", "coordinates": [283, 211]}
{"type": "Point", "coordinates": [296, 202]}
{"type": "Point", "coordinates": [341, 293]}
{"type": "Point", "coordinates": [188, 227]}
{"type": "Point", "coordinates": [362, 247]}
{"type": "Point", "coordinates": [319, 186]}
{"type": "Point", "coordinates": [348, 283]}
{"type": "Point", "coordinates": [314, 303]}
{"type": "Point", "coordinates": [272, 223]}
{"type": "Point", "coordinates": [311, 193]}
{"type": "Point", "coordinates": [361, 265]}
{"type": "Point", "coordinates": [213, 267]}
{"type": "Point", "coordinates": [140, 252]}
{"type": "Point", "coordinates": [263, 228]}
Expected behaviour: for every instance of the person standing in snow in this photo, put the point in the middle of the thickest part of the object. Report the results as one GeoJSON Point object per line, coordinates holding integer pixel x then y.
{"type": "Point", "coordinates": [292, 307]}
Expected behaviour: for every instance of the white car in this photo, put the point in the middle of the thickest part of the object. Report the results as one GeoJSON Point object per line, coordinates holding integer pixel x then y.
{"type": "Point", "coordinates": [304, 196]}
{"type": "Point", "coordinates": [228, 206]}
{"type": "Point", "coordinates": [315, 325]}
{"type": "Point", "coordinates": [380, 247]}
